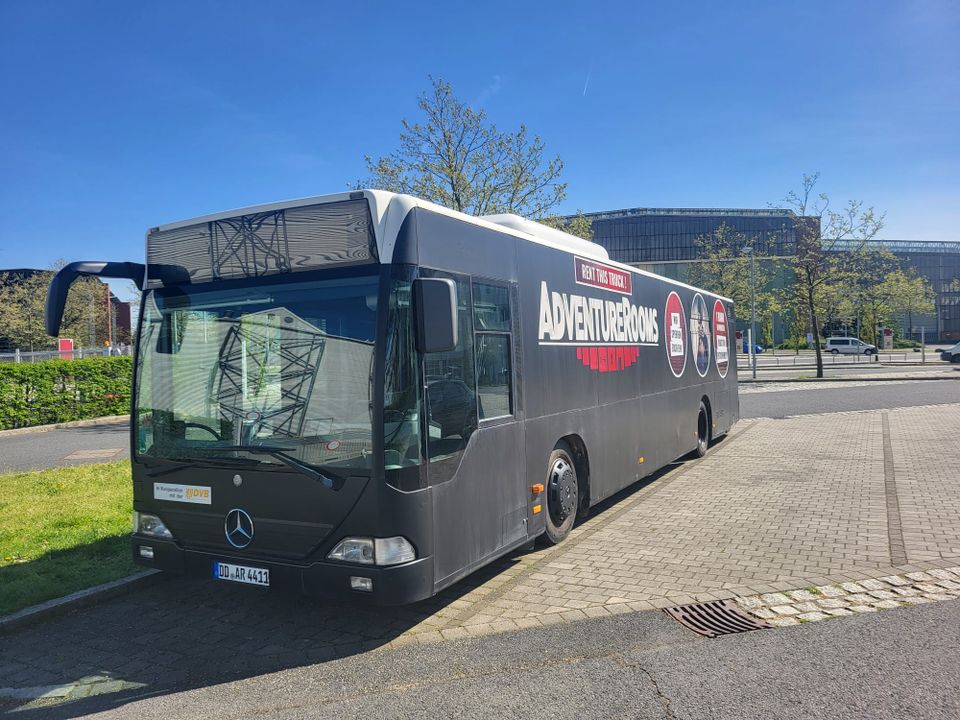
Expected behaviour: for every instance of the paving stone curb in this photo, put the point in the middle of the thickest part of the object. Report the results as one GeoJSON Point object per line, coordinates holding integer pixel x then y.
{"type": "Point", "coordinates": [74, 601]}
{"type": "Point", "coordinates": [106, 420]}
{"type": "Point", "coordinates": [822, 602]}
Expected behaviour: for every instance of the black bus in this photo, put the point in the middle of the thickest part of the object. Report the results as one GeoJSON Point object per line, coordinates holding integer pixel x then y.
{"type": "Point", "coordinates": [366, 395]}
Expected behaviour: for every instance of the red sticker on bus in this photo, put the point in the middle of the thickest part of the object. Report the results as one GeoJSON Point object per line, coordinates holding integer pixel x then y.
{"type": "Point", "coordinates": [721, 338]}
{"type": "Point", "coordinates": [603, 276]}
{"type": "Point", "coordinates": [676, 321]}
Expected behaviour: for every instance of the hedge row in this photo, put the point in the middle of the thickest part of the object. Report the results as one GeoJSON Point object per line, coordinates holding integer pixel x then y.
{"type": "Point", "coordinates": [62, 390]}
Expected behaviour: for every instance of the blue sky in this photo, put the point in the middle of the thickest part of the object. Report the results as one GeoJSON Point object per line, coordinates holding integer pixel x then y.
{"type": "Point", "coordinates": [119, 116]}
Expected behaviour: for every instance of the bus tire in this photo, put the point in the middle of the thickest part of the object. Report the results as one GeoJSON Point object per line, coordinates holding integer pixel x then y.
{"type": "Point", "coordinates": [562, 494]}
{"type": "Point", "coordinates": [703, 431]}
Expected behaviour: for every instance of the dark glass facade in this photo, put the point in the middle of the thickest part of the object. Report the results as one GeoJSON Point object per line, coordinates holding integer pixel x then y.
{"type": "Point", "coordinates": [939, 263]}
{"type": "Point", "coordinates": [664, 240]}
{"type": "Point", "coordinates": [646, 235]}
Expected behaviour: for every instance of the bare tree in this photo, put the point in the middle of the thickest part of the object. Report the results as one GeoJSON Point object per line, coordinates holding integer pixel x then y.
{"type": "Point", "coordinates": [820, 233]}
{"type": "Point", "coordinates": [455, 157]}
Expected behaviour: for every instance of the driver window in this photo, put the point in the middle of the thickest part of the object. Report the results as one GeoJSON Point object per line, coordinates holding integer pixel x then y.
{"type": "Point", "coordinates": [451, 383]}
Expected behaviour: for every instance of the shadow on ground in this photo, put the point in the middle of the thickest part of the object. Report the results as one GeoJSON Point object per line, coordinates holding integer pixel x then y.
{"type": "Point", "coordinates": [61, 572]}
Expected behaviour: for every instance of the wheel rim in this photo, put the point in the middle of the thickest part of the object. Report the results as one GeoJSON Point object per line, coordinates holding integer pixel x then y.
{"type": "Point", "coordinates": [562, 482]}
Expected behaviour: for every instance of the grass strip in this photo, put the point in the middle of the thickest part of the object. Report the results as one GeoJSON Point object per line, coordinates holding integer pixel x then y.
{"type": "Point", "coordinates": [63, 530]}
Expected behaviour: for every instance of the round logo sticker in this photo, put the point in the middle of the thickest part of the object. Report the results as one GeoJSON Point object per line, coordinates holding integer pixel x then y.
{"type": "Point", "coordinates": [721, 338]}
{"type": "Point", "coordinates": [700, 334]}
{"type": "Point", "coordinates": [676, 343]}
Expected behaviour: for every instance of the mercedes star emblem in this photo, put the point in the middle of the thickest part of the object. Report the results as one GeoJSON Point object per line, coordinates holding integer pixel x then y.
{"type": "Point", "coordinates": [238, 527]}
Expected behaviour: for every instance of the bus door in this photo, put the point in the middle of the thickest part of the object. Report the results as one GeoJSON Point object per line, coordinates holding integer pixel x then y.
{"type": "Point", "coordinates": [474, 441]}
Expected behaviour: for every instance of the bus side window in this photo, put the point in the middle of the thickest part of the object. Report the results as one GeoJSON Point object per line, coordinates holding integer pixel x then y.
{"type": "Point", "coordinates": [491, 308]}
{"type": "Point", "coordinates": [451, 383]}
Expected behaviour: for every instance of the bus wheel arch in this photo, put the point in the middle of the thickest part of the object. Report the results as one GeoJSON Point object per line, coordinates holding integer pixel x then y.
{"type": "Point", "coordinates": [566, 488]}
{"type": "Point", "coordinates": [582, 460]}
{"type": "Point", "coordinates": [704, 427]}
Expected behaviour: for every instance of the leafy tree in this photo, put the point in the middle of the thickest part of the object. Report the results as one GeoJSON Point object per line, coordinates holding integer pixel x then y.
{"type": "Point", "coordinates": [868, 288]}
{"type": "Point", "coordinates": [456, 157]}
{"type": "Point", "coordinates": [579, 225]}
{"type": "Point", "coordinates": [908, 293]}
{"type": "Point", "coordinates": [816, 263]}
{"type": "Point", "coordinates": [21, 311]}
{"type": "Point", "coordinates": [723, 267]}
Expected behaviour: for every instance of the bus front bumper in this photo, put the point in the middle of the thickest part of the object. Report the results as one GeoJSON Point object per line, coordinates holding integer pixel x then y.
{"type": "Point", "coordinates": [394, 585]}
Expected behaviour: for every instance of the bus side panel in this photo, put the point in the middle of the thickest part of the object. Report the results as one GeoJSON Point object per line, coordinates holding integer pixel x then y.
{"type": "Point", "coordinates": [634, 414]}
{"type": "Point", "coordinates": [448, 244]}
{"type": "Point", "coordinates": [480, 496]}
{"type": "Point", "coordinates": [479, 510]}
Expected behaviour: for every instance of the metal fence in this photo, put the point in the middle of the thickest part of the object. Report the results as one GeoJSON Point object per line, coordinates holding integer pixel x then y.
{"type": "Point", "coordinates": [27, 356]}
{"type": "Point", "coordinates": [809, 359]}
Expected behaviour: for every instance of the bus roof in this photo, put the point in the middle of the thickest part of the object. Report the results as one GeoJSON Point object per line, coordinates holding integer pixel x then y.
{"type": "Point", "coordinates": [390, 209]}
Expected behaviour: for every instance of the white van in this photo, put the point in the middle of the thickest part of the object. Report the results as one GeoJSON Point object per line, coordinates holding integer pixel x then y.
{"type": "Point", "coordinates": [851, 346]}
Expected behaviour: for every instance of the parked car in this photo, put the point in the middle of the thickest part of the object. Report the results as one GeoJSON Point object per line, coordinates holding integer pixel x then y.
{"type": "Point", "coordinates": [951, 354]}
{"type": "Point", "coordinates": [849, 346]}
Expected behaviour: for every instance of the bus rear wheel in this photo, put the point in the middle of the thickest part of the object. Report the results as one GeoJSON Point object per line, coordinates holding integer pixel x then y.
{"type": "Point", "coordinates": [703, 431]}
{"type": "Point", "coordinates": [562, 493]}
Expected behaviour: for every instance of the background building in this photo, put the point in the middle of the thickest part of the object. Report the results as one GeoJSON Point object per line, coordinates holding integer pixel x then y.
{"type": "Point", "coordinates": [664, 241]}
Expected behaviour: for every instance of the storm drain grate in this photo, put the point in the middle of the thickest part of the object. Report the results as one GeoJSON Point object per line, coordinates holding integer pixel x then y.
{"type": "Point", "coordinates": [720, 617]}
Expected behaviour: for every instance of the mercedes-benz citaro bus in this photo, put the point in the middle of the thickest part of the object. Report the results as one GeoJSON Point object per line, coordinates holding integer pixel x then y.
{"type": "Point", "coordinates": [365, 395]}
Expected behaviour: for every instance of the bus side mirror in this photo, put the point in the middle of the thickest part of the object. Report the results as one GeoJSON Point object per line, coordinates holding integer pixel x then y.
{"type": "Point", "coordinates": [435, 303]}
{"type": "Point", "coordinates": [60, 286]}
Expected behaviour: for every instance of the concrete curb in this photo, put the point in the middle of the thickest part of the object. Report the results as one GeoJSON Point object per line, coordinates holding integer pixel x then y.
{"type": "Point", "coordinates": [761, 367]}
{"type": "Point", "coordinates": [750, 381]}
{"type": "Point", "coordinates": [106, 420]}
{"type": "Point", "coordinates": [74, 601]}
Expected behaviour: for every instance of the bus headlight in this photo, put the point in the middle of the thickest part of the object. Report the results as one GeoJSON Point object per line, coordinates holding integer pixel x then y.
{"type": "Point", "coordinates": [355, 550]}
{"type": "Point", "coordinates": [146, 524]}
{"type": "Point", "coordinates": [374, 551]}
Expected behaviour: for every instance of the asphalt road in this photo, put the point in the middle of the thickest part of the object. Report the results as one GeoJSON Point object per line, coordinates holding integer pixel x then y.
{"type": "Point", "coordinates": [894, 664]}
{"type": "Point", "coordinates": [67, 446]}
{"type": "Point", "coordinates": [806, 399]}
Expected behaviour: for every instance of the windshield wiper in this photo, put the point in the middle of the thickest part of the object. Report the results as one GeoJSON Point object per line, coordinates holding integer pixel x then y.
{"type": "Point", "coordinates": [184, 464]}
{"type": "Point", "coordinates": [281, 454]}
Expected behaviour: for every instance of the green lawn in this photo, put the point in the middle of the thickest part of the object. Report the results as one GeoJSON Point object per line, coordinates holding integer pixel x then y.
{"type": "Point", "coordinates": [63, 530]}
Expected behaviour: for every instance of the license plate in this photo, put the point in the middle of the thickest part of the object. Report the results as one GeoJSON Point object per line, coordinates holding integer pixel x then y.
{"type": "Point", "coordinates": [241, 574]}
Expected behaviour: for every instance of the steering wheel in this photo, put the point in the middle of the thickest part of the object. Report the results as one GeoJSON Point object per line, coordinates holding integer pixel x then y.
{"type": "Point", "coordinates": [201, 426]}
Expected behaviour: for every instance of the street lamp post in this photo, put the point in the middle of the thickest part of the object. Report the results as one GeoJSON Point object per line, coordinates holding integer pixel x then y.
{"type": "Point", "coordinates": [753, 311]}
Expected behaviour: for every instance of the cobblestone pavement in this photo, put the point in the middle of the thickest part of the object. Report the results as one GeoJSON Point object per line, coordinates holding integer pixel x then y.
{"type": "Point", "coordinates": [851, 598]}
{"type": "Point", "coordinates": [780, 505]}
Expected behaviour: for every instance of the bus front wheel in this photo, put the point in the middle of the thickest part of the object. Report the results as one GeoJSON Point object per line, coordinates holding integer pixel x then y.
{"type": "Point", "coordinates": [562, 493]}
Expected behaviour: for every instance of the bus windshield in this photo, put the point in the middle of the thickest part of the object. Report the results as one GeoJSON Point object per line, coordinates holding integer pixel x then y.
{"type": "Point", "coordinates": [281, 365]}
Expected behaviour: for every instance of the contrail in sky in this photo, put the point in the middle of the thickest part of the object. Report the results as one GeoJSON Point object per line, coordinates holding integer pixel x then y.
{"type": "Point", "coordinates": [587, 83]}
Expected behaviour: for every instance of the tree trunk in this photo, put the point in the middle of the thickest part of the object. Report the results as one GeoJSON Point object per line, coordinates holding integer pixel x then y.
{"type": "Point", "coordinates": [814, 326]}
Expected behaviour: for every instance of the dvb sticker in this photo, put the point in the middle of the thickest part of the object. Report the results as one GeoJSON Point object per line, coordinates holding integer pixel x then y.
{"type": "Point", "coordinates": [182, 493]}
